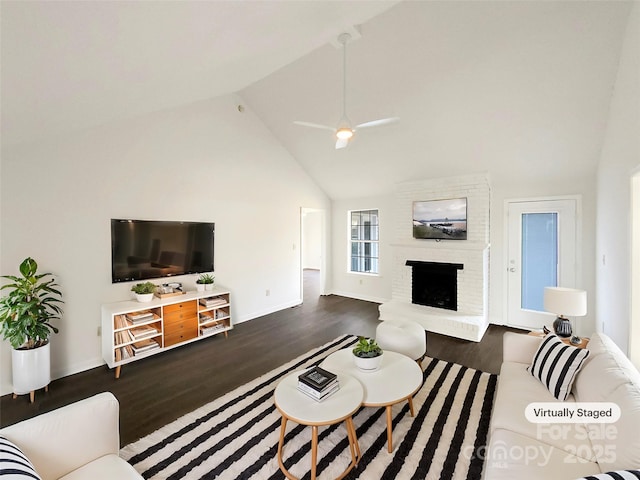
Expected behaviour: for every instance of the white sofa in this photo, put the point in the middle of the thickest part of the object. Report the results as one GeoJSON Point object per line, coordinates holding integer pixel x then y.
{"type": "Point", "coordinates": [525, 450]}
{"type": "Point", "coordinates": [78, 441]}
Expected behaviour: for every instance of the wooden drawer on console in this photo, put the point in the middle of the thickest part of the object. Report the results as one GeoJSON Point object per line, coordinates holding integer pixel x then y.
{"type": "Point", "coordinates": [180, 312]}
{"type": "Point", "coordinates": [183, 307]}
{"type": "Point", "coordinates": [180, 332]}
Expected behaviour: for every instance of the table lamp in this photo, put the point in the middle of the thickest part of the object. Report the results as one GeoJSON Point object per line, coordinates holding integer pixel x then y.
{"type": "Point", "coordinates": [565, 302]}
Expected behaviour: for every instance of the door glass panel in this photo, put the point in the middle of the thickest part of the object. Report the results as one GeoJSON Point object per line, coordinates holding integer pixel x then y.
{"type": "Point", "coordinates": [539, 257]}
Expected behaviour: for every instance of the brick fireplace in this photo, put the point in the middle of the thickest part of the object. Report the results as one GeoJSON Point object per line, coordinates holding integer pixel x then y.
{"type": "Point", "coordinates": [463, 262]}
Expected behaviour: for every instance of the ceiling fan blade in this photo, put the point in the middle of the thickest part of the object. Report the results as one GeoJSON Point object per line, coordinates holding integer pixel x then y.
{"type": "Point", "coordinates": [341, 143]}
{"type": "Point", "coordinates": [315, 125]}
{"type": "Point", "coordinates": [377, 123]}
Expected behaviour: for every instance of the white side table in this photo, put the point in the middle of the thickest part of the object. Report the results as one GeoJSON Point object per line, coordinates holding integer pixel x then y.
{"type": "Point", "coordinates": [338, 407]}
{"type": "Point", "coordinates": [398, 379]}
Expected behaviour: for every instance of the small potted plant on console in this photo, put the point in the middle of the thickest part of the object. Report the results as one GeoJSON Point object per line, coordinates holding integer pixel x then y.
{"type": "Point", "coordinates": [206, 279]}
{"type": "Point", "coordinates": [144, 291]}
{"type": "Point", "coordinates": [367, 354]}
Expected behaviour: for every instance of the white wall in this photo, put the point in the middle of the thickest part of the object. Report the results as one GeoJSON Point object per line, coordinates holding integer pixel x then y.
{"type": "Point", "coordinates": [374, 288]}
{"type": "Point", "coordinates": [202, 162]}
{"type": "Point", "coordinates": [620, 158]}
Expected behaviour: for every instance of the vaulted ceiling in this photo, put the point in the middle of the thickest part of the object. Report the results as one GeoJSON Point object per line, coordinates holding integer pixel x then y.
{"type": "Point", "coordinates": [520, 89]}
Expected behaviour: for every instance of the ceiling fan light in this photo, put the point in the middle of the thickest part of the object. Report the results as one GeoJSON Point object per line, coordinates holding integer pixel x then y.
{"type": "Point", "coordinates": [344, 133]}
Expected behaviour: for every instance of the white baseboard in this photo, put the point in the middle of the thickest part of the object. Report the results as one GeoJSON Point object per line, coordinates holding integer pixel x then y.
{"type": "Point", "coordinates": [366, 298]}
{"type": "Point", "coordinates": [267, 311]}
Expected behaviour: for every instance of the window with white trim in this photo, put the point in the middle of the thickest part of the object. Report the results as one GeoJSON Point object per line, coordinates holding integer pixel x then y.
{"type": "Point", "coordinates": [364, 241]}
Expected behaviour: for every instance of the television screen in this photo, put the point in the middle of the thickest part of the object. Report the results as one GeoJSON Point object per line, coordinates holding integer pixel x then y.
{"type": "Point", "coordinates": [144, 249]}
{"type": "Point", "coordinates": [440, 219]}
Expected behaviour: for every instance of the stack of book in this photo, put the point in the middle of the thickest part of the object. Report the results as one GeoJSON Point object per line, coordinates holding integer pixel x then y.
{"type": "Point", "coordinates": [318, 383]}
{"type": "Point", "coordinates": [213, 301]}
{"type": "Point", "coordinates": [144, 331]}
{"type": "Point", "coordinates": [215, 327]}
{"type": "Point", "coordinates": [144, 346]}
{"type": "Point", "coordinates": [139, 317]}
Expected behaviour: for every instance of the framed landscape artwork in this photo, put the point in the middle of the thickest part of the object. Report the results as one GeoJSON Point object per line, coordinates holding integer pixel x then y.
{"type": "Point", "coordinates": [440, 219]}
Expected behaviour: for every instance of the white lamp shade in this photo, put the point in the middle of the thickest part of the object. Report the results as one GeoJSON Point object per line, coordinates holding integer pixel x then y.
{"type": "Point", "coordinates": [565, 301]}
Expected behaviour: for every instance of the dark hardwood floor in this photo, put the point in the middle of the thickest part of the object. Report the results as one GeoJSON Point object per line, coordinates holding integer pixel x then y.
{"type": "Point", "coordinates": [159, 389]}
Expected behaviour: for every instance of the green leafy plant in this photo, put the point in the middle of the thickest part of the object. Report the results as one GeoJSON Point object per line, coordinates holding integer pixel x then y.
{"type": "Point", "coordinates": [367, 348]}
{"type": "Point", "coordinates": [143, 288]}
{"type": "Point", "coordinates": [205, 278]}
{"type": "Point", "coordinates": [27, 311]}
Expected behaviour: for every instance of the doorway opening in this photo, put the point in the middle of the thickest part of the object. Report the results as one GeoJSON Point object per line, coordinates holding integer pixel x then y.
{"type": "Point", "coordinates": [312, 253]}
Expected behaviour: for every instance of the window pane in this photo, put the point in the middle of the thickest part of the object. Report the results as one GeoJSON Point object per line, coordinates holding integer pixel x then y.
{"type": "Point", "coordinates": [539, 257]}
{"type": "Point", "coordinates": [354, 264]}
{"type": "Point", "coordinates": [374, 265]}
{"type": "Point", "coordinates": [355, 218]}
{"type": "Point", "coordinates": [366, 231]}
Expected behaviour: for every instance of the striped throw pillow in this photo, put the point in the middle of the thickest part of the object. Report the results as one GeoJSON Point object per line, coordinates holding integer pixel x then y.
{"type": "Point", "coordinates": [14, 465]}
{"type": "Point", "coordinates": [555, 364]}
{"type": "Point", "coordinates": [617, 475]}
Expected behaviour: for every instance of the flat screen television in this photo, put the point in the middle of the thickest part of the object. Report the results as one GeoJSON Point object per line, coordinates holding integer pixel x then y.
{"type": "Point", "coordinates": [145, 249]}
{"type": "Point", "coordinates": [440, 219]}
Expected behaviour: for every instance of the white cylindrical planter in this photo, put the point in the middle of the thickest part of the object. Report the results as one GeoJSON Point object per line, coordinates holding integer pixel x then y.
{"type": "Point", "coordinates": [208, 286]}
{"type": "Point", "coordinates": [200, 287]}
{"type": "Point", "coordinates": [31, 369]}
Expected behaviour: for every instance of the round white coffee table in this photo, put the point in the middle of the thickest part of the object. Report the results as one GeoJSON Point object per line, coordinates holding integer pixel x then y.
{"type": "Point", "coordinates": [398, 379]}
{"type": "Point", "coordinates": [338, 407]}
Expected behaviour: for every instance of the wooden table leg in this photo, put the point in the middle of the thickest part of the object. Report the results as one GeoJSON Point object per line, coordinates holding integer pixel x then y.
{"type": "Point", "coordinates": [351, 431]}
{"type": "Point", "coordinates": [410, 400]}
{"type": "Point", "coordinates": [283, 427]}
{"type": "Point", "coordinates": [118, 371]}
{"type": "Point", "coordinates": [389, 429]}
{"type": "Point", "coordinates": [314, 450]}
{"type": "Point", "coordinates": [354, 447]}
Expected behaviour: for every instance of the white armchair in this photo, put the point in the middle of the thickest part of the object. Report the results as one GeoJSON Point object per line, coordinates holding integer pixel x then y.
{"type": "Point", "coordinates": [78, 441]}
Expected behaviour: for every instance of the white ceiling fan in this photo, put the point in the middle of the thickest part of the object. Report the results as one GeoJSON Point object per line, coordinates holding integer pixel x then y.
{"type": "Point", "coordinates": [344, 131]}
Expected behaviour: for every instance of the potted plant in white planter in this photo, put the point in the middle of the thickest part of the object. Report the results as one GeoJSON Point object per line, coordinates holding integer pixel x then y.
{"type": "Point", "coordinates": [207, 279]}
{"type": "Point", "coordinates": [26, 313]}
{"type": "Point", "coordinates": [367, 354]}
{"type": "Point", "coordinates": [144, 291]}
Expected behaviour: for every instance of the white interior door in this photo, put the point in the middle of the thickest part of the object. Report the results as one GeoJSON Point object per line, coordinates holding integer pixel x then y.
{"type": "Point", "coordinates": [542, 252]}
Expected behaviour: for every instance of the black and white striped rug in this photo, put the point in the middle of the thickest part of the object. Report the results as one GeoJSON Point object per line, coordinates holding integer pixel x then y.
{"type": "Point", "coordinates": [236, 436]}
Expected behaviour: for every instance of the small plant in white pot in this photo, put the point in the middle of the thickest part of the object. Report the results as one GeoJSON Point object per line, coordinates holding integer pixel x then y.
{"type": "Point", "coordinates": [26, 313]}
{"type": "Point", "coordinates": [367, 354]}
{"type": "Point", "coordinates": [199, 285]}
{"type": "Point", "coordinates": [207, 280]}
{"type": "Point", "coordinates": [144, 291]}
